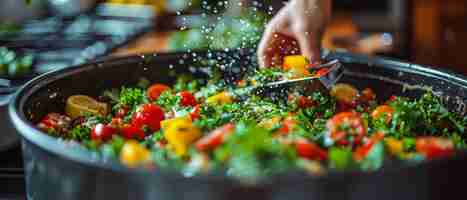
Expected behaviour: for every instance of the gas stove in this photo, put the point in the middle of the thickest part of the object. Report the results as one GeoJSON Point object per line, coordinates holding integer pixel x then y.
{"type": "Point", "coordinates": [12, 174]}
{"type": "Point", "coordinates": [57, 43]}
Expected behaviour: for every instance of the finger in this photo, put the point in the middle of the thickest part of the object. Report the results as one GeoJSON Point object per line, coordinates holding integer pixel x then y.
{"type": "Point", "coordinates": [310, 44]}
{"type": "Point", "coordinates": [267, 47]}
{"type": "Point", "coordinates": [264, 59]}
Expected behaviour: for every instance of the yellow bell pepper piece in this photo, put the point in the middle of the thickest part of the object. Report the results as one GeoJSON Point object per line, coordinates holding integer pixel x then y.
{"type": "Point", "coordinates": [297, 65]}
{"type": "Point", "coordinates": [134, 154]}
{"type": "Point", "coordinates": [270, 123]}
{"type": "Point", "coordinates": [180, 133]}
{"type": "Point", "coordinates": [395, 146]}
{"type": "Point", "coordinates": [220, 98]}
{"type": "Point", "coordinates": [294, 61]}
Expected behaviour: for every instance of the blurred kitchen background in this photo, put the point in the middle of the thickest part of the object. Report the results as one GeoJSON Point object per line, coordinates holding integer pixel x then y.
{"type": "Point", "coordinates": [39, 35]}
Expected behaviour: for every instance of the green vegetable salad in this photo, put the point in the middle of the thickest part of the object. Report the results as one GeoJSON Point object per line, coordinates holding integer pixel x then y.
{"type": "Point", "coordinates": [198, 127]}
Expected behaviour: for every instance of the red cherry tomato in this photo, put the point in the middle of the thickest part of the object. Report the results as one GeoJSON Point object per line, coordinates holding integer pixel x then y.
{"type": "Point", "coordinates": [346, 125]}
{"type": "Point", "coordinates": [287, 126]}
{"type": "Point", "coordinates": [362, 151]}
{"type": "Point", "coordinates": [195, 112]}
{"type": "Point", "coordinates": [215, 138]}
{"type": "Point", "coordinates": [304, 102]}
{"type": "Point", "coordinates": [310, 150]}
{"type": "Point", "coordinates": [156, 90]}
{"type": "Point", "coordinates": [148, 115]}
{"type": "Point", "coordinates": [132, 132]}
{"type": "Point", "coordinates": [187, 99]}
{"type": "Point", "coordinates": [433, 147]}
{"type": "Point", "coordinates": [102, 132]}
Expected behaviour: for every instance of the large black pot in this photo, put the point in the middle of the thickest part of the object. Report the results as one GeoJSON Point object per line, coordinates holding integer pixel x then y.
{"type": "Point", "coordinates": [55, 170]}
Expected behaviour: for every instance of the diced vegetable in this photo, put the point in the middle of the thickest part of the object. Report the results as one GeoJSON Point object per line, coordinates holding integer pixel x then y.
{"type": "Point", "coordinates": [55, 123]}
{"type": "Point", "coordinates": [133, 154]}
{"type": "Point", "coordinates": [295, 61]}
{"type": "Point", "coordinates": [156, 90]}
{"type": "Point", "coordinates": [194, 128]}
{"type": "Point", "coordinates": [148, 115]}
{"type": "Point", "coordinates": [309, 150]}
{"type": "Point", "coordinates": [383, 111]}
{"type": "Point", "coordinates": [394, 146]}
{"type": "Point", "coordinates": [340, 158]}
{"type": "Point", "coordinates": [433, 147]}
{"type": "Point", "coordinates": [220, 98]}
{"type": "Point", "coordinates": [304, 102]}
{"type": "Point", "coordinates": [215, 138]}
{"type": "Point", "coordinates": [297, 66]}
{"type": "Point", "coordinates": [346, 127]}
{"type": "Point", "coordinates": [102, 132]}
{"type": "Point", "coordinates": [180, 134]}
{"type": "Point", "coordinates": [363, 151]}
{"type": "Point", "coordinates": [367, 95]}
{"type": "Point", "coordinates": [129, 131]}
{"type": "Point", "coordinates": [187, 99]}
{"type": "Point", "coordinates": [344, 93]}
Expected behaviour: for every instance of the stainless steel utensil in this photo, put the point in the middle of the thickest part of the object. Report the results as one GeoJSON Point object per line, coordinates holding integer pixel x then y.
{"type": "Point", "coordinates": [320, 82]}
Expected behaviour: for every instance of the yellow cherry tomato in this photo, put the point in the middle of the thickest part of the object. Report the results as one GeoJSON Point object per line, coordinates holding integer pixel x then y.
{"type": "Point", "coordinates": [134, 154]}
{"type": "Point", "coordinates": [220, 98]}
{"type": "Point", "coordinates": [180, 134]}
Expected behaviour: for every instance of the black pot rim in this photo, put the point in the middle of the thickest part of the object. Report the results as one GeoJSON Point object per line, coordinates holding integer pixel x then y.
{"type": "Point", "coordinates": [80, 155]}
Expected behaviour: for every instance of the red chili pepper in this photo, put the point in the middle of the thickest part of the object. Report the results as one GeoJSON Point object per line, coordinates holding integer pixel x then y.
{"type": "Point", "coordinates": [187, 99]}
{"type": "Point", "coordinates": [148, 115]}
{"type": "Point", "coordinates": [310, 150]}
{"type": "Point", "coordinates": [215, 138]}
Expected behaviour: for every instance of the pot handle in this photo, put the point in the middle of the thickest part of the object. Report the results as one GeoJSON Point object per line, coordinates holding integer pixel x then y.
{"type": "Point", "coordinates": [6, 91]}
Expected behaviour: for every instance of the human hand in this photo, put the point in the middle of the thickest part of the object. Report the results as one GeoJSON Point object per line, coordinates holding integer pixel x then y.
{"type": "Point", "coordinates": [296, 29]}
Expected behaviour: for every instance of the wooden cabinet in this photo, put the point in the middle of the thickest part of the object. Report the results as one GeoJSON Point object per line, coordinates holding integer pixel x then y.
{"type": "Point", "coordinates": [439, 33]}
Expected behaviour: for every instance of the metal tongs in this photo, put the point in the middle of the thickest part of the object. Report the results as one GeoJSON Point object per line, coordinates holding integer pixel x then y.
{"type": "Point", "coordinates": [321, 82]}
